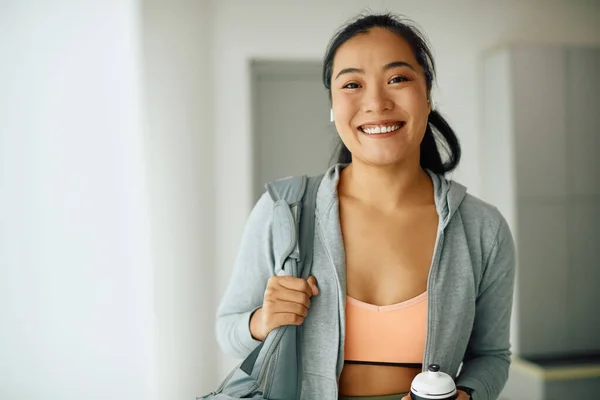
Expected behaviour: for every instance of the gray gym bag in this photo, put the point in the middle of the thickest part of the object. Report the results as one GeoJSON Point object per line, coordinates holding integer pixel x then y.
{"type": "Point", "coordinates": [273, 371]}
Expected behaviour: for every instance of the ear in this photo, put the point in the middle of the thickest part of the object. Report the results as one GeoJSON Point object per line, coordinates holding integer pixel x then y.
{"type": "Point", "coordinates": [430, 105]}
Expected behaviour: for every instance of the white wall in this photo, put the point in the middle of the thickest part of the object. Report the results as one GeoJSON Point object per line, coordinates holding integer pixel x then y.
{"type": "Point", "coordinates": [459, 31]}
{"type": "Point", "coordinates": [76, 317]}
{"type": "Point", "coordinates": [179, 143]}
{"type": "Point", "coordinates": [553, 206]}
{"type": "Point", "coordinates": [496, 144]}
{"type": "Point", "coordinates": [106, 200]}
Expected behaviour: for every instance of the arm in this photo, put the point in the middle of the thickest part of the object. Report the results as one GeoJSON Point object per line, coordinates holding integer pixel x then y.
{"type": "Point", "coordinates": [487, 359]}
{"type": "Point", "coordinates": [246, 288]}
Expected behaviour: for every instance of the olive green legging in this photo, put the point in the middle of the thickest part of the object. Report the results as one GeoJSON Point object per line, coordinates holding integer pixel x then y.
{"type": "Point", "coordinates": [387, 397]}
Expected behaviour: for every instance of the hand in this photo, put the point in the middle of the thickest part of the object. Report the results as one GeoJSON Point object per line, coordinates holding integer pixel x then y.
{"type": "Point", "coordinates": [286, 302]}
{"type": "Point", "coordinates": [461, 396]}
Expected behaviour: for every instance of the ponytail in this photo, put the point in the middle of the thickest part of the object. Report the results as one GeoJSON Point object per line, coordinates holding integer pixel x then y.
{"type": "Point", "coordinates": [442, 138]}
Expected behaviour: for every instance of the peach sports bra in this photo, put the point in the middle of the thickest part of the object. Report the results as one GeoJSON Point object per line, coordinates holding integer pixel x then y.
{"type": "Point", "coordinates": [386, 335]}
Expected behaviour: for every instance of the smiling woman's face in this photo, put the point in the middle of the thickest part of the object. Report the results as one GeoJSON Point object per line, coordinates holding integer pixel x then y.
{"type": "Point", "coordinates": [379, 98]}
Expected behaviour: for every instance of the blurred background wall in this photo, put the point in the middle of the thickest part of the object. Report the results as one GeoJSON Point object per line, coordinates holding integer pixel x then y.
{"type": "Point", "coordinates": [76, 275]}
{"type": "Point", "coordinates": [127, 168]}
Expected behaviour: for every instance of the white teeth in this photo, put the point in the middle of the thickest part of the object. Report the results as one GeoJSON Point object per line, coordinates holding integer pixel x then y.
{"type": "Point", "coordinates": [381, 129]}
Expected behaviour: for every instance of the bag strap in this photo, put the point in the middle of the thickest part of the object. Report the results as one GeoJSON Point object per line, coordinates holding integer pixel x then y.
{"type": "Point", "coordinates": [307, 225]}
{"type": "Point", "coordinates": [300, 194]}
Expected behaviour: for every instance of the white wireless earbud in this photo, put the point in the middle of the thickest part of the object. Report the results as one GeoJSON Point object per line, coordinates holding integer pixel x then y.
{"type": "Point", "coordinates": [432, 104]}
{"type": "Point", "coordinates": [331, 115]}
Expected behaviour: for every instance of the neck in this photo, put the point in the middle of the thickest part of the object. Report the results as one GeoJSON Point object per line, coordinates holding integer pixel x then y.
{"type": "Point", "coordinates": [387, 187]}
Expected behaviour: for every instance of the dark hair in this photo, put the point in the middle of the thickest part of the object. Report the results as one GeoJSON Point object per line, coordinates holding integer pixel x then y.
{"type": "Point", "coordinates": [443, 135]}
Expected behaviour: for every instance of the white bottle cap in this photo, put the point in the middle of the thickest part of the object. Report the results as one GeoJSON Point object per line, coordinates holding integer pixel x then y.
{"type": "Point", "coordinates": [433, 384]}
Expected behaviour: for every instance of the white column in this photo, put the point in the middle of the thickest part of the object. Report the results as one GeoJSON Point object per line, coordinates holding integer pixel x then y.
{"type": "Point", "coordinates": [179, 136]}
{"type": "Point", "coordinates": [76, 317]}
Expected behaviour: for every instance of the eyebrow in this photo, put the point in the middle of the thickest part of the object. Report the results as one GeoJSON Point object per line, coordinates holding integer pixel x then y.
{"type": "Point", "coordinates": [394, 64]}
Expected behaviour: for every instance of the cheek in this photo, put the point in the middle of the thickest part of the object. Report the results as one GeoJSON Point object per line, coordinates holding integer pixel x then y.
{"type": "Point", "coordinates": [414, 102]}
{"type": "Point", "coordinates": [344, 109]}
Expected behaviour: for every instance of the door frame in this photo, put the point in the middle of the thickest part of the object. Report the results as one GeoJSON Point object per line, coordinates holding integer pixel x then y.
{"type": "Point", "coordinates": [284, 69]}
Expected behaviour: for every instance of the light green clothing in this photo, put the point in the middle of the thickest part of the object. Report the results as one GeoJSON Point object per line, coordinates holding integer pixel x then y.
{"type": "Point", "coordinates": [470, 291]}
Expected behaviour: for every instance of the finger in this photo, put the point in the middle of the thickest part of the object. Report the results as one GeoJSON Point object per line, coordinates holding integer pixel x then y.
{"type": "Point", "coordinates": [406, 398]}
{"type": "Point", "coordinates": [289, 307]}
{"type": "Point", "coordinates": [280, 319]}
{"type": "Point", "coordinates": [293, 297]}
{"type": "Point", "coordinates": [462, 395]}
{"type": "Point", "coordinates": [312, 281]}
{"type": "Point", "coordinates": [297, 284]}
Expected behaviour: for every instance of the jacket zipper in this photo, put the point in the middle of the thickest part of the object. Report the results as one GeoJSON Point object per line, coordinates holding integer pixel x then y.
{"type": "Point", "coordinates": [272, 362]}
{"type": "Point", "coordinates": [262, 375]}
{"type": "Point", "coordinates": [298, 344]}
{"type": "Point", "coordinates": [430, 302]}
{"type": "Point", "coordinates": [340, 311]}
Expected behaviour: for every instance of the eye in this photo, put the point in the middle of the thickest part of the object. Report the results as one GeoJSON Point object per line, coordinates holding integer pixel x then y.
{"type": "Point", "coordinates": [351, 85]}
{"type": "Point", "coordinates": [398, 79]}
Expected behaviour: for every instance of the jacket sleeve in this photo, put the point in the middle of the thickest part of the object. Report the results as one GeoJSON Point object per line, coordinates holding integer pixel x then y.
{"type": "Point", "coordinates": [245, 290]}
{"type": "Point", "coordinates": [487, 359]}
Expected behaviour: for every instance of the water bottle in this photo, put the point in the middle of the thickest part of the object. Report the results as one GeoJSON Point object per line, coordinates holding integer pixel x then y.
{"type": "Point", "coordinates": [433, 385]}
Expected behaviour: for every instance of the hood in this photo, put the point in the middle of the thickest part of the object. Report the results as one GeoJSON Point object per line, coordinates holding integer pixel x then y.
{"type": "Point", "coordinates": [448, 196]}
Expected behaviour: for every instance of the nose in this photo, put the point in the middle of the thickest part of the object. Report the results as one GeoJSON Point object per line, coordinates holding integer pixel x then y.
{"type": "Point", "coordinates": [377, 100]}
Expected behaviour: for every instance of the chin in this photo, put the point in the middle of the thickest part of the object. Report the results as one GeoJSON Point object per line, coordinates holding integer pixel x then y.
{"type": "Point", "coordinates": [382, 161]}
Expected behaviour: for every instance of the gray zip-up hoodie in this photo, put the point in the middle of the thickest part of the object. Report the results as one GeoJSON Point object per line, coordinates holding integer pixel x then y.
{"type": "Point", "coordinates": [470, 291]}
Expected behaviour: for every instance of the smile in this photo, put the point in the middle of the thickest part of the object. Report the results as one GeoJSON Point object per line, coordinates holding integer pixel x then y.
{"type": "Point", "coordinates": [381, 129]}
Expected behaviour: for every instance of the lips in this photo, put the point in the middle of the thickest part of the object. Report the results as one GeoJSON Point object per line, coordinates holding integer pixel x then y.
{"type": "Point", "coordinates": [382, 128]}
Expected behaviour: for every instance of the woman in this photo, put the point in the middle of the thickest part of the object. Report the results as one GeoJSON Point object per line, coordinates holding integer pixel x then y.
{"type": "Point", "coordinates": [408, 269]}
